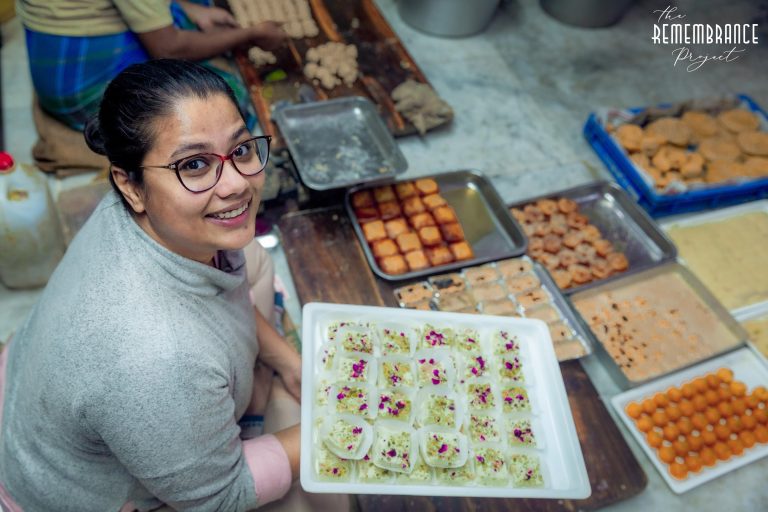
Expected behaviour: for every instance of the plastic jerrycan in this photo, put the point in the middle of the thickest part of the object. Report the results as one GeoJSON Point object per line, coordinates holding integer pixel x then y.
{"type": "Point", "coordinates": [31, 239]}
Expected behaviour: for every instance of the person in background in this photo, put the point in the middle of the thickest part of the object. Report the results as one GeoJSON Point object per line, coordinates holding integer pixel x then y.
{"type": "Point", "coordinates": [125, 386]}
{"type": "Point", "coordinates": [76, 47]}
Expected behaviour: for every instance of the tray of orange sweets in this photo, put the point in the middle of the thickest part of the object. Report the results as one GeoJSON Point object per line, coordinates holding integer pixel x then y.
{"type": "Point", "coordinates": [703, 422]}
{"type": "Point", "coordinates": [433, 224]}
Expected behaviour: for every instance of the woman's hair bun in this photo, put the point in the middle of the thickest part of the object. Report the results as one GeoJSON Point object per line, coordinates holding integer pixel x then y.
{"type": "Point", "coordinates": [93, 136]}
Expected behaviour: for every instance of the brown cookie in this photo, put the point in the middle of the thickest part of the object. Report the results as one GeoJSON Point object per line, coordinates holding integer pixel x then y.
{"type": "Point", "coordinates": [754, 143]}
{"type": "Point", "coordinates": [723, 170]}
{"type": "Point", "coordinates": [756, 166]}
{"type": "Point", "coordinates": [739, 120]}
{"type": "Point", "coordinates": [672, 129]}
{"type": "Point", "coordinates": [629, 136]}
{"type": "Point", "coordinates": [716, 148]}
{"type": "Point", "coordinates": [693, 166]}
{"type": "Point", "coordinates": [702, 125]}
{"type": "Point", "coordinates": [650, 143]}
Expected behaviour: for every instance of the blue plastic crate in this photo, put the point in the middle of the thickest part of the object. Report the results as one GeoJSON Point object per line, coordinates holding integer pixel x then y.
{"type": "Point", "coordinates": [660, 205]}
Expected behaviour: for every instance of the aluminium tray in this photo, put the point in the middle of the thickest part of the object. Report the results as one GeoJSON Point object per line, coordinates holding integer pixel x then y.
{"type": "Point", "coordinates": [557, 447]}
{"type": "Point", "coordinates": [746, 368]}
{"type": "Point", "coordinates": [339, 142]}
{"type": "Point", "coordinates": [628, 227]}
{"type": "Point", "coordinates": [759, 303]}
{"type": "Point", "coordinates": [488, 227]}
{"type": "Point", "coordinates": [634, 181]}
{"type": "Point", "coordinates": [703, 297]}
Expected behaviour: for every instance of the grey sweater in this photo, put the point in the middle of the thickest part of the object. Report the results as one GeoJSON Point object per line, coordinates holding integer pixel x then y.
{"type": "Point", "coordinates": [127, 378]}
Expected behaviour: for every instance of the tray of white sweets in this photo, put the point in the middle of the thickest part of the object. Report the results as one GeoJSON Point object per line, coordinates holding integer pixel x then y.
{"type": "Point", "coordinates": [436, 404]}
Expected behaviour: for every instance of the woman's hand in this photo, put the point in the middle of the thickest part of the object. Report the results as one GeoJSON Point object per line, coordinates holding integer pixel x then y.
{"type": "Point", "coordinates": [209, 19]}
{"type": "Point", "coordinates": [268, 35]}
{"type": "Point", "coordinates": [290, 373]}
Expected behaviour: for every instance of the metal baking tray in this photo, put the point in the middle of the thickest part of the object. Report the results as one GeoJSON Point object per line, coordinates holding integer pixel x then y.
{"type": "Point", "coordinates": [710, 302]}
{"type": "Point", "coordinates": [339, 142]}
{"type": "Point", "coordinates": [622, 222]}
{"type": "Point", "coordinates": [488, 226]}
{"type": "Point", "coordinates": [758, 290]}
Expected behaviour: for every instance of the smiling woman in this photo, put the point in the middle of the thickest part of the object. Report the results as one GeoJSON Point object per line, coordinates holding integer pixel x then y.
{"type": "Point", "coordinates": [124, 388]}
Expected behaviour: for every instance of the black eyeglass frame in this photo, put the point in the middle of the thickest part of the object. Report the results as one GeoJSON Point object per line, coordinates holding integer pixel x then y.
{"type": "Point", "coordinates": [174, 166]}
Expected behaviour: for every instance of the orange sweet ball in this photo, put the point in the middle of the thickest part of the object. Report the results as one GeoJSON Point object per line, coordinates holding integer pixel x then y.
{"type": "Point", "coordinates": [671, 432]}
{"type": "Point", "coordinates": [700, 384]}
{"type": "Point", "coordinates": [722, 432]}
{"type": "Point", "coordinates": [685, 425]}
{"type": "Point", "coordinates": [761, 392]}
{"type": "Point", "coordinates": [661, 400]}
{"type": "Point", "coordinates": [695, 441]}
{"type": "Point", "coordinates": [688, 390]}
{"type": "Point", "coordinates": [725, 409]}
{"type": "Point", "coordinates": [739, 406]}
{"type": "Point", "coordinates": [722, 451]}
{"type": "Point", "coordinates": [693, 463]}
{"type": "Point", "coordinates": [712, 397]}
{"type": "Point", "coordinates": [681, 447]}
{"type": "Point", "coordinates": [674, 394]}
{"type": "Point", "coordinates": [736, 446]}
{"type": "Point", "coordinates": [679, 471]}
{"type": "Point", "coordinates": [724, 393]}
{"type": "Point", "coordinates": [761, 433]}
{"type": "Point", "coordinates": [700, 403]}
{"type": "Point", "coordinates": [699, 421]}
{"type": "Point", "coordinates": [673, 412]}
{"type": "Point", "coordinates": [659, 418]}
{"type": "Point", "coordinates": [649, 406]}
{"type": "Point", "coordinates": [709, 437]}
{"type": "Point", "coordinates": [667, 454]}
{"type": "Point", "coordinates": [725, 374]}
{"type": "Point", "coordinates": [686, 407]}
{"type": "Point", "coordinates": [738, 388]}
{"type": "Point", "coordinates": [634, 410]}
{"type": "Point", "coordinates": [734, 424]}
{"type": "Point", "coordinates": [708, 457]}
{"type": "Point", "coordinates": [712, 415]}
{"type": "Point", "coordinates": [713, 381]}
{"type": "Point", "coordinates": [654, 439]}
{"type": "Point", "coordinates": [644, 424]}
{"type": "Point", "coordinates": [761, 415]}
{"type": "Point", "coordinates": [749, 421]}
{"type": "Point", "coordinates": [752, 401]}
{"type": "Point", "coordinates": [748, 438]}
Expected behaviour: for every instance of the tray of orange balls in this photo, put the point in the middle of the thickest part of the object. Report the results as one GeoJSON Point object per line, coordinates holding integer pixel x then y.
{"type": "Point", "coordinates": [703, 422]}
{"type": "Point", "coordinates": [414, 228]}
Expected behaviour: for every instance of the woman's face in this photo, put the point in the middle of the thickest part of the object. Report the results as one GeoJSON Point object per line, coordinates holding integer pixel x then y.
{"type": "Point", "coordinates": [193, 224]}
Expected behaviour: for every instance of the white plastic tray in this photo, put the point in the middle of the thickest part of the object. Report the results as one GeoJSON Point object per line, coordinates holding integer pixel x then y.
{"type": "Point", "coordinates": [565, 474]}
{"type": "Point", "coordinates": [746, 368]}
{"type": "Point", "coordinates": [683, 221]}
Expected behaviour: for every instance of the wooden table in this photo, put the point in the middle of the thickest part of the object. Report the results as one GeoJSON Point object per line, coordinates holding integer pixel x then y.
{"type": "Point", "coordinates": [383, 62]}
{"type": "Point", "coordinates": [328, 265]}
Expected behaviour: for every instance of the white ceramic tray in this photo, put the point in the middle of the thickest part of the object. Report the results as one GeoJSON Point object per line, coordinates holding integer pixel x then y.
{"type": "Point", "coordinates": [746, 367]}
{"type": "Point", "coordinates": [684, 221]}
{"type": "Point", "coordinates": [563, 468]}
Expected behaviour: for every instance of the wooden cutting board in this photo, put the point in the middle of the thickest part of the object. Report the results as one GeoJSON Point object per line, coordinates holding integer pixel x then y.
{"type": "Point", "coordinates": [328, 265]}
{"type": "Point", "coordinates": [383, 62]}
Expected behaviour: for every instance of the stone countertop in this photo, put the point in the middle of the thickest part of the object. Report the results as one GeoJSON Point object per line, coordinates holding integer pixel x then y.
{"type": "Point", "coordinates": [522, 90]}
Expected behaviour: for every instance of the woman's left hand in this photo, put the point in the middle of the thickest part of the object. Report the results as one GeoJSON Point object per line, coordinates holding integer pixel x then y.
{"type": "Point", "coordinates": [208, 19]}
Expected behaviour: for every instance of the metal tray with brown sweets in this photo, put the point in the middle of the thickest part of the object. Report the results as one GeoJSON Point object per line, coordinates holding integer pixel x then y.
{"type": "Point", "coordinates": [566, 243]}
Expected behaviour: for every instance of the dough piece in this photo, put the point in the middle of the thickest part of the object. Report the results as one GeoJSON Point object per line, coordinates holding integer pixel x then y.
{"type": "Point", "coordinates": [629, 136]}
{"type": "Point", "coordinates": [754, 143]}
{"type": "Point", "coordinates": [739, 120]}
{"type": "Point", "coordinates": [295, 15]}
{"type": "Point", "coordinates": [716, 148]}
{"type": "Point", "coordinates": [674, 130]}
{"type": "Point", "coordinates": [421, 105]}
{"type": "Point", "coordinates": [260, 57]}
{"type": "Point", "coordinates": [702, 125]}
{"type": "Point", "coordinates": [331, 64]}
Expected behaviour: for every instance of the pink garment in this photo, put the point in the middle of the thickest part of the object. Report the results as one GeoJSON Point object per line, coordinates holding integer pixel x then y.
{"type": "Point", "coordinates": [5, 500]}
{"type": "Point", "coordinates": [270, 468]}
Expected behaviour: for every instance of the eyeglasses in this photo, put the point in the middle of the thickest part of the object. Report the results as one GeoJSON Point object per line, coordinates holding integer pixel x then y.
{"type": "Point", "coordinates": [201, 172]}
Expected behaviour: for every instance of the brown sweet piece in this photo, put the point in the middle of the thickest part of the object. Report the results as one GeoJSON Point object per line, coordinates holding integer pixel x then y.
{"type": "Point", "coordinates": [426, 186]}
{"type": "Point", "coordinates": [396, 227]}
{"type": "Point", "coordinates": [724, 170]}
{"type": "Point", "coordinates": [448, 283]}
{"type": "Point", "coordinates": [562, 278]}
{"type": "Point", "coordinates": [580, 274]}
{"type": "Point", "coordinates": [600, 268]}
{"type": "Point", "coordinates": [504, 307]}
{"type": "Point", "coordinates": [452, 232]}
{"type": "Point", "coordinates": [567, 205]}
{"type": "Point", "coordinates": [739, 120]}
{"type": "Point", "coordinates": [573, 239]}
{"type": "Point", "coordinates": [522, 283]}
{"type": "Point", "coordinates": [408, 242]}
{"type": "Point", "coordinates": [559, 332]}
{"type": "Point", "coordinates": [439, 255]}
{"type": "Point", "coordinates": [389, 210]}
{"type": "Point", "coordinates": [569, 349]}
{"type": "Point", "coordinates": [374, 231]}
{"type": "Point", "coordinates": [383, 194]}
{"type": "Point", "coordinates": [617, 261]}
{"type": "Point", "coordinates": [461, 251]}
{"type": "Point", "coordinates": [702, 125]}
{"type": "Point", "coordinates": [672, 129]}
{"type": "Point", "coordinates": [629, 136]}
{"type": "Point", "coordinates": [754, 143]}
{"type": "Point", "coordinates": [479, 275]}
{"type": "Point", "coordinates": [412, 206]}
{"type": "Point", "coordinates": [549, 260]}
{"type": "Point", "coordinates": [413, 293]}
{"type": "Point", "coordinates": [716, 148]}
{"type": "Point", "coordinates": [393, 264]}
{"type": "Point", "coordinates": [444, 215]}
{"type": "Point", "coordinates": [430, 236]}
{"type": "Point", "coordinates": [367, 214]}
{"type": "Point", "coordinates": [405, 190]}
{"type": "Point", "coordinates": [421, 220]}
{"type": "Point", "coordinates": [416, 260]}
{"type": "Point", "coordinates": [536, 244]}
{"type": "Point", "coordinates": [457, 302]}
{"type": "Point", "coordinates": [650, 143]}
{"type": "Point", "coordinates": [590, 233]}
{"type": "Point", "coordinates": [533, 214]}
{"type": "Point", "coordinates": [433, 201]}
{"type": "Point", "coordinates": [542, 229]}
{"type": "Point", "coordinates": [568, 257]}
{"type": "Point", "coordinates": [552, 243]}
{"type": "Point", "coordinates": [533, 298]}
{"type": "Point", "coordinates": [362, 199]}
{"type": "Point", "coordinates": [513, 267]}
{"type": "Point", "coordinates": [585, 253]}
{"type": "Point", "coordinates": [577, 220]}
{"type": "Point", "coordinates": [545, 313]}
{"type": "Point", "coordinates": [422, 305]}
{"type": "Point", "coordinates": [756, 166]}
{"type": "Point", "coordinates": [693, 166]}
{"type": "Point", "coordinates": [547, 206]}
{"type": "Point", "coordinates": [382, 248]}
{"type": "Point", "coordinates": [518, 214]}
{"type": "Point", "coordinates": [603, 247]}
